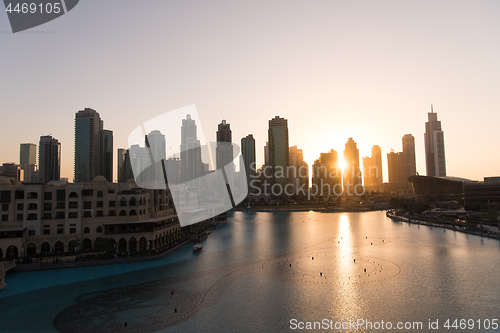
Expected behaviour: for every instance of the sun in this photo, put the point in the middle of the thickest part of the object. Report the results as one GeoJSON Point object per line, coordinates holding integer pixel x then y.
{"type": "Point", "coordinates": [342, 164]}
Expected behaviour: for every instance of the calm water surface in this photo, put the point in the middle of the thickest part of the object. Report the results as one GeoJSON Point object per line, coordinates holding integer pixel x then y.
{"type": "Point", "coordinates": [261, 270]}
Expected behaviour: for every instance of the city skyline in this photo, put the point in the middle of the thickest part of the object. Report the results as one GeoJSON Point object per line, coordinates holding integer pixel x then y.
{"type": "Point", "coordinates": [342, 161]}
{"type": "Point", "coordinates": [332, 78]}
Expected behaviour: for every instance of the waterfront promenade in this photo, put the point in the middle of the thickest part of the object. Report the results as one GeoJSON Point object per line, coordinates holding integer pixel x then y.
{"type": "Point", "coordinates": [4, 267]}
{"type": "Point", "coordinates": [28, 264]}
{"type": "Point", "coordinates": [467, 228]}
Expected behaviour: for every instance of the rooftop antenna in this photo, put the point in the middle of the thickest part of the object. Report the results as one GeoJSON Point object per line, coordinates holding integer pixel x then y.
{"type": "Point", "coordinates": [432, 109]}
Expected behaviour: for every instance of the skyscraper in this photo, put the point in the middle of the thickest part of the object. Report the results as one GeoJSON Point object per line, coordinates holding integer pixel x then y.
{"type": "Point", "coordinates": [266, 154]}
{"type": "Point", "coordinates": [27, 160]}
{"type": "Point", "coordinates": [434, 146]}
{"type": "Point", "coordinates": [372, 170]}
{"type": "Point", "coordinates": [93, 147]}
{"type": "Point", "coordinates": [124, 171]}
{"type": "Point", "coordinates": [278, 150]}
{"type": "Point", "coordinates": [402, 165]}
{"type": "Point", "coordinates": [299, 171]}
{"type": "Point", "coordinates": [191, 164]}
{"type": "Point", "coordinates": [224, 149]}
{"type": "Point", "coordinates": [248, 153]}
{"type": "Point", "coordinates": [140, 162]}
{"type": "Point", "coordinates": [107, 155]}
{"type": "Point", "coordinates": [49, 159]}
{"type": "Point", "coordinates": [157, 145]}
{"type": "Point", "coordinates": [327, 175]}
{"type": "Point", "coordinates": [394, 166]}
{"type": "Point", "coordinates": [352, 173]}
{"type": "Point", "coordinates": [408, 160]}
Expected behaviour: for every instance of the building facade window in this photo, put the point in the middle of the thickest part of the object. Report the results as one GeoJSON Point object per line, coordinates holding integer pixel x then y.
{"type": "Point", "coordinates": [61, 195]}
{"type": "Point", "coordinates": [87, 193]}
{"type": "Point", "coordinates": [73, 215]}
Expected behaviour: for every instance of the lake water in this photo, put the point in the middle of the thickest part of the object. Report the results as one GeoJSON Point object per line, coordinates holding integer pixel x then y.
{"type": "Point", "coordinates": [272, 272]}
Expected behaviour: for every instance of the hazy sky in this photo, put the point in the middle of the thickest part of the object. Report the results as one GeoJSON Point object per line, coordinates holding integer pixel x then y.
{"type": "Point", "coordinates": [335, 69]}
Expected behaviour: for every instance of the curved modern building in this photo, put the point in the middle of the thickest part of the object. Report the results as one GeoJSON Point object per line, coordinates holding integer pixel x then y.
{"type": "Point", "coordinates": [428, 185]}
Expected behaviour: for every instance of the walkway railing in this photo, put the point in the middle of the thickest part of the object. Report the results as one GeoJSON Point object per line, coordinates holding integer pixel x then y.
{"type": "Point", "coordinates": [4, 267]}
{"type": "Point", "coordinates": [443, 223]}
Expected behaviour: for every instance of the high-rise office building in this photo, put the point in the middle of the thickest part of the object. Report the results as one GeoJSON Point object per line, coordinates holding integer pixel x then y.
{"type": "Point", "coordinates": [372, 170]}
{"type": "Point", "coordinates": [49, 159]}
{"type": "Point", "coordinates": [402, 165]}
{"type": "Point", "coordinates": [27, 160]}
{"type": "Point", "coordinates": [394, 166]}
{"type": "Point", "coordinates": [93, 147]}
{"type": "Point", "coordinates": [124, 171]}
{"type": "Point", "coordinates": [156, 143]}
{"type": "Point", "coordinates": [298, 175]}
{"type": "Point", "coordinates": [434, 146]}
{"type": "Point", "coordinates": [266, 154]}
{"type": "Point", "coordinates": [248, 153]}
{"type": "Point", "coordinates": [327, 174]}
{"type": "Point", "coordinates": [191, 163]}
{"type": "Point", "coordinates": [352, 173]}
{"type": "Point", "coordinates": [107, 155]}
{"type": "Point", "coordinates": [224, 149]}
{"type": "Point", "coordinates": [140, 162]}
{"type": "Point", "coordinates": [278, 150]}
{"type": "Point", "coordinates": [408, 160]}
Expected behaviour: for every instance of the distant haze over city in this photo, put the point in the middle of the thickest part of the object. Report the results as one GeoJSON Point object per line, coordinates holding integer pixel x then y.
{"type": "Point", "coordinates": [334, 70]}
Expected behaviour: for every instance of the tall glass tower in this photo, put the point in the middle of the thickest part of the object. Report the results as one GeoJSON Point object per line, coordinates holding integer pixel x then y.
{"type": "Point", "coordinates": [248, 153]}
{"type": "Point", "coordinates": [278, 150]}
{"type": "Point", "coordinates": [352, 173]}
{"type": "Point", "coordinates": [434, 147]}
{"type": "Point", "coordinates": [49, 159]}
{"type": "Point", "coordinates": [27, 160]}
{"type": "Point", "coordinates": [93, 147]}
